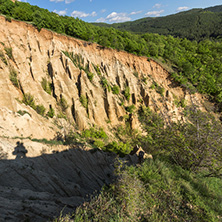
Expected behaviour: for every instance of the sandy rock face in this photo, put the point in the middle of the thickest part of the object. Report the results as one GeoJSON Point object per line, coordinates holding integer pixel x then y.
{"type": "Point", "coordinates": [66, 64]}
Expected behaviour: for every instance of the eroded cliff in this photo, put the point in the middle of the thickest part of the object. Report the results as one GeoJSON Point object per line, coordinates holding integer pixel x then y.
{"type": "Point", "coordinates": [82, 81]}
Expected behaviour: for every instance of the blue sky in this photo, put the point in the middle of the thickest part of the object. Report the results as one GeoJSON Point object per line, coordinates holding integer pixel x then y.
{"type": "Point", "coordinates": [111, 11]}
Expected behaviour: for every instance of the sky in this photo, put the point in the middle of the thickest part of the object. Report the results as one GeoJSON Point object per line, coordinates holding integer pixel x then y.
{"type": "Point", "coordinates": [112, 11]}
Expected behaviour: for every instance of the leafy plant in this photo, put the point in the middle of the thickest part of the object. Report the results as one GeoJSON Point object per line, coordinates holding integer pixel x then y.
{"type": "Point", "coordinates": [115, 89]}
{"type": "Point", "coordinates": [14, 78]}
{"type": "Point", "coordinates": [28, 100]}
{"type": "Point", "coordinates": [105, 84]}
{"type": "Point", "coordinates": [8, 51]}
{"type": "Point", "coordinates": [90, 76]}
{"type": "Point", "coordinates": [40, 109]}
{"type": "Point", "coordinates": [130, 109]}
{"type": "Point", "coordinates": [51, 112]}
{"type": "Point", "coordinates": [84, 101]}
{"type": "Point", "coordinates": [127, 93]}
{"type": "Point", "coordinates": [46, 86]}
{"type": "Point", "coordinates": [23, 112]}
{"type": "Point", "coordinates": [63, 104]}
{"type": "Point", "coordinates": [2, 57]}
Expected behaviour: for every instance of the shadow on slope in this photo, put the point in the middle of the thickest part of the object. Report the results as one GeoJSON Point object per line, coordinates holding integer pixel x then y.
{"type": "Point", "coordinates": [38, 189]}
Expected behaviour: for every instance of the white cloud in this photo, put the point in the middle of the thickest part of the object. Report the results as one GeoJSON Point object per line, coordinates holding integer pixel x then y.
{"type": "Point", "coordinates": [66, 1]}
{"type": "Point", "coordinates": [101, 20]}
{"type": "Point", "coordinates": [80, 14]}
{"type": "Point", "coordinates": [103, 10]}
{"type": "Point", "coordinates": [183, 8]}
{"type": "Point", "coordinates": [154, 13]}
{"type": "Point", "coordinates": [118, 17]}
{"type": "Point", "coordinates": [157, 5]}
{"type": "Point", "coordinates": [63, 12]}
{"type": "Point", "coordinates": [136, 13]}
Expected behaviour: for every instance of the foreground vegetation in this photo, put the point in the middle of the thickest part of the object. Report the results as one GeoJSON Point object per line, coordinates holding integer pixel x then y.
{"type": "Point", "coordinates": [181, 183]}
{"type": "Point", "coordinates": [155, 191]}
{"type": "Point", "coordinates": [196, 65]}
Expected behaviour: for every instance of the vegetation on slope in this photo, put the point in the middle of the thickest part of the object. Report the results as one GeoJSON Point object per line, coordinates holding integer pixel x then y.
{"type": "Point", "coordinates": [181, 183]}
{"type": "Point", "coordinates": [195, 24]}
{"type": "Point", "coordinates": [193, 62]}
{"type": "Point", "coordinates": [155, 191]}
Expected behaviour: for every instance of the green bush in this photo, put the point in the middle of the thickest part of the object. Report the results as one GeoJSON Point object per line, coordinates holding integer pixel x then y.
{"type": "Point", "coordinates": [28, 100]}
{"type": "Point", "coordinates": [119, 148]}
{"type": "Point", "coordinates": [40, 109]}
{"type": "Point", "coordinates": [46, 86]}
{"type": "Point", "coordinates": [90, 76]}
{"type": "Point", "coordinates": [115, 89]}
{"type": "Point", "coordinates": [94, 133]}
{"type": "Point", "coordinates": [130, 109]}
{"type": "Point", "coordinates": [127, 93]}
{"type": "Point", "coordinates": [2, 57]}
{"type": "Point", "coordinates": [8, 18]}
{"type": "Point", "coordinates": [99, 143]}
{"type": "Point", "coordinates": [51, 112]}
{"type": "Point", "coordinates": [84, 101]}
{"type": "Point", "coordinates": [14, 78]}
{"type": "Point", "coordinates": [63, 104]}
{"type": "Point", "coordinates": [8, 51]}
{"type": "Point", "coordinates": [105, 84]}
{"type": "Point", "coordinates": [23, 112]}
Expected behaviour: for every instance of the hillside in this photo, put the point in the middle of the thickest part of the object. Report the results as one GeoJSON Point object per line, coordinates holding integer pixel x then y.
{"type": "Point", "coordinates": [195, 24]}
{"type": "Point", "coordinates": [94, 133]}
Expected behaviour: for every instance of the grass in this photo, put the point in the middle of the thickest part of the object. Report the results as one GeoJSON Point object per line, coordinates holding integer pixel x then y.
{"type": "Point", "coordinates": [46, 86]}
{"type": "Point", "coordinates": [14, 78]}
{"type": "Point", "coordinates": [8, 51]}
{"type": "Point", "coordinates": [2, 57]}
{"type": "Point", "coordinates": [84, 101]}
{"type": "Point", "coordinates": [154, 191]}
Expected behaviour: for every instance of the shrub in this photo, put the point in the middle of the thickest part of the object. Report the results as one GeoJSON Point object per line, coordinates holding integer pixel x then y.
{"type": "Point", "coordinates": [90, 76]}
{"type": "Point", "coordinates": [84, 101]}
{"type": "Point", "coordinates": [105, 84]}
{"type": "Point", "coordinates": [99, 143]}
{"type": "Point", "coordinates": [2, 57]}
{"type": "Point", "coordinates": [40, 109]}
{"type": "Point", "coordinates": [28, 100]}
{"type": "Point", "coordinates": [115, 89]}
{"type": "Point", "coordinates": [135, 73]}
{"type": "Point", "coordinates": [46, 86]}
{"type": "Point", "coordinates": [61, 116]}
{"type": "Point", "coordinates": [63, 104]}
{"type": "Point", "coordinates": [51, 112]}
{"type": "Point", "coordinates": [23, 112]}
{"type": "Point", "coordinates": [127, 93]}
{"type": "Point", "coordinates": [119, 148]}
{"type": "Point", "coordinates": [8, 51]}
{"type": "Point", "coordinates": [94, 133]}
{"type": "Point", "coordinates": [8, 18]}
{"type": "Point", "coordinates": [14, 78]}
{"type": "Point", "coordinates": [130, 109]}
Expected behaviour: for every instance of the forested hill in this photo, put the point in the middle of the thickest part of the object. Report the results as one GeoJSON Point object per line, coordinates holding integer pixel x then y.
{"type": "Point", "coordinates": [195, 24]}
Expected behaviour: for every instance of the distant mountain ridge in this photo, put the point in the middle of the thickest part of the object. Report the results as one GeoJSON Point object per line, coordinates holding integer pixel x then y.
{"type": "Point", "coordinates": [195, 24]}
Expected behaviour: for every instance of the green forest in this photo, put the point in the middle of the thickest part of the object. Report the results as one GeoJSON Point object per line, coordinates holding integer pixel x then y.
{"type": "Point", "coordinates": [195, 24]}
{"type": "Point", "coordinates": [183, 180]}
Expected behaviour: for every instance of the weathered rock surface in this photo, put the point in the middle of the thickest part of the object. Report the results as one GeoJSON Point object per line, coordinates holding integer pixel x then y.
{"type": "Point", "coordinates": [39, 188]}
{"type": "Point", "coordinates": [42, 55]}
